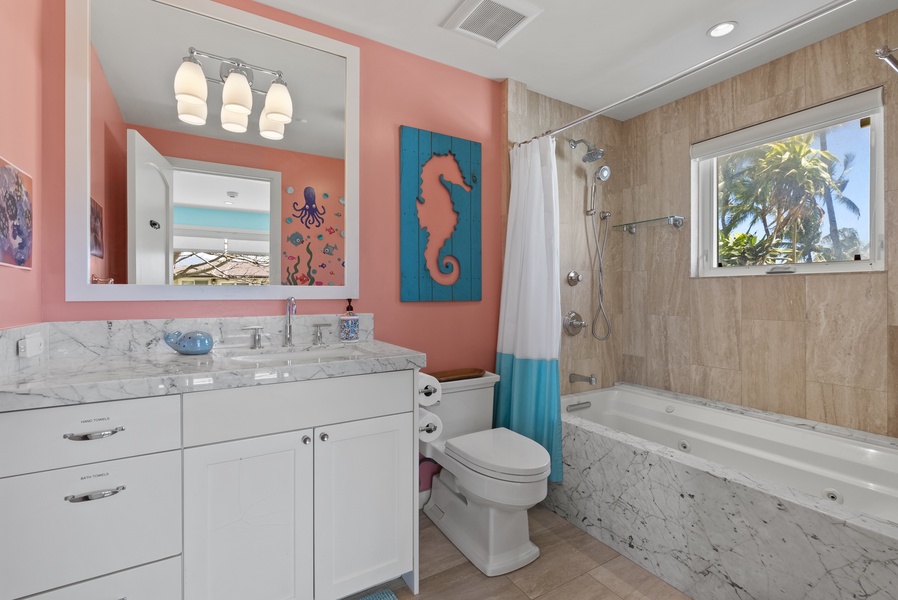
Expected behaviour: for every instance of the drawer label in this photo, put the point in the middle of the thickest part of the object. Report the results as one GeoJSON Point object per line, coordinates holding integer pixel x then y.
{"type": "Point", "coordinates": [96, 420]}
{"type": "Point", "coordinates": [95, 476]}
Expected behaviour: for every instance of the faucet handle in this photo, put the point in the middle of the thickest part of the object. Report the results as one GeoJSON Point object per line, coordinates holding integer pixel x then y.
{"type": "Point", "coordinates": [255, 335]}
{"type": "Point", "coordinates": [318, 341]}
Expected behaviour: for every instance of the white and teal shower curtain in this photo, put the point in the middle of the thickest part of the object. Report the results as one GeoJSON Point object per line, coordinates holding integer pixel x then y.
{"type": "Point", "coordinates": [528, 397]}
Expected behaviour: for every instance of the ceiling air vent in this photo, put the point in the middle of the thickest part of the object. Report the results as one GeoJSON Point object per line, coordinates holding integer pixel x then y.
{"type": "Point", "coordinates": [491, 21]}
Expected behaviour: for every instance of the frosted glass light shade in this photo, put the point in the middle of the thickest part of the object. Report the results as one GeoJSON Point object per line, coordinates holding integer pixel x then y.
{"type": "Point", "coordinates": [190, 82]}
{"type": "Point", "coordinates": [233, 122]}
{"type": "Point", "coordinates": [237, 96]}
{"type": "Point", "coordinates": [192, 114]}
{"type": "Point", "coordinates": [278, 104]}
{"type": "Point", "coordinates": [271, 130]}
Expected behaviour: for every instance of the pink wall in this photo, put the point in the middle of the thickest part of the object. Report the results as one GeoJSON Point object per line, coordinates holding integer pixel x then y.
{"type": "Point", "coordinates": [397, 88]}
{"type": "Point", "coordinates": [298, 170]}
{"type": "Point", "coordinates": [108, 175]}
{"type": "Point", "coordinates": [20, 145]}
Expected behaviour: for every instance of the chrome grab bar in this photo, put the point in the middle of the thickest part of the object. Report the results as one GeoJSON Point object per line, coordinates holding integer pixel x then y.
{"type": "Point", "coordinates": [94, 435]}
{"type": "Point", "coordinates": [578, 406]}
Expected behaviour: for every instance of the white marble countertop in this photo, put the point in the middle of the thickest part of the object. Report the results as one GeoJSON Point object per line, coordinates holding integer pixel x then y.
{"type": "Point", "coordinates": [76, 380]}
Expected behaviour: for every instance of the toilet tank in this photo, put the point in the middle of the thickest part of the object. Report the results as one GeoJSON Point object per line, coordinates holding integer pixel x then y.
{"type": "Point", "coordinates": [466, 405]}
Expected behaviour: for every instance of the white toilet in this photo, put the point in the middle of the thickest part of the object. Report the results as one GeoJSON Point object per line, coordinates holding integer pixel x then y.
{"type": "Point", "coordinates": [490, 478]}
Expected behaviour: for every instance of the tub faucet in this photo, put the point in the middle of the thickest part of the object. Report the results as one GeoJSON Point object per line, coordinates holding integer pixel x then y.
{"type": "Point", "coordinates": [575, 377]}
{"type": "Point", "coordinates": [288, 328]}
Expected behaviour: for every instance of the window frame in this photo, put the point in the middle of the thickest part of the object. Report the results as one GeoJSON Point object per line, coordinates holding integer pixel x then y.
{"type": "Point", "coordinates": [704, 246]}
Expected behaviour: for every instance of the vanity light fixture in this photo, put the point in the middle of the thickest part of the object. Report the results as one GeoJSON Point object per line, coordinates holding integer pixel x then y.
{"type": "Point", "coordinates": [233, 122]}
{"type": "Point", "coordinates": [888, 56]}
{"type": "Point", "coordinates": [269, 128]}
{"type": "Point", "coordinates": [192, 114]}
{"type": "Point", "coordinates": [722, 29]}
{"type": "Point", "coordinates": [191, 92]}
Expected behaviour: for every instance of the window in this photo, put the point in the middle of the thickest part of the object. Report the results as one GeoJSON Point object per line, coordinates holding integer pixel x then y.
{"type": "Point", "coordinates": [799, 194]}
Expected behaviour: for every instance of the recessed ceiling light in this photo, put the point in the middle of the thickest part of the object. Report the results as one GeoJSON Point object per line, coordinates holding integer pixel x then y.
{"type": "Point", "coordinates": [228, 202]}
{"type": "Point", "coordinates": [722, 29]}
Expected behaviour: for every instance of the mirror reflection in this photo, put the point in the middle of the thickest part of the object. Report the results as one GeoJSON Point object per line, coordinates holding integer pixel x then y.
{"type": "Point", "coordinates": [238, 181]}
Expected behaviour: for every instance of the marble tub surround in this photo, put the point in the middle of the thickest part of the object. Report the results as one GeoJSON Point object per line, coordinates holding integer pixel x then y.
{"type": "Point", "coordinates": [129, 359]}
{"type": "Point", "coordinates": [714, 532]}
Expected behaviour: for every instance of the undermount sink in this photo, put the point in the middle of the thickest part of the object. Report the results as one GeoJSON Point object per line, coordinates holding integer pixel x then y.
{"type": "Point", "coordinates": [296, 356]}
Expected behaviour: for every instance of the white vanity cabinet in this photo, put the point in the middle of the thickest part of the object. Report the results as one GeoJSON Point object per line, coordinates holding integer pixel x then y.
{"type": "Point", "coordinates": [299, 490]}
{"type": "Point", "coordinates": [248, 519]}
{"type": "Point", "coordinates": [90, 490]}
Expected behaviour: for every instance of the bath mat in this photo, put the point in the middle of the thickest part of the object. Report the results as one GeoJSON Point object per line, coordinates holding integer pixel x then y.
{"type": "Point", "coordinates": [380, 595]}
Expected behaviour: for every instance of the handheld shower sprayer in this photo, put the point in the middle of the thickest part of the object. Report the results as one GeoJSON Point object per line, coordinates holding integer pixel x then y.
{"type": "Point", "coordinates": [592, 153]}
{"type": "Point", "coordinates": [601, 174]}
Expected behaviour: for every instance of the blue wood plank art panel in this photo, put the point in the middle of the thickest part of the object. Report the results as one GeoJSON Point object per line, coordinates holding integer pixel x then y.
{"type": "Point", "coordinates": [440, 221]}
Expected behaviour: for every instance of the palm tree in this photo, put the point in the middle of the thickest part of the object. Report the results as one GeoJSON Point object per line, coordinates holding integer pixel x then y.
{"type": "Point", "coordinates": [780, 186]}
{"type": "Point", "coordinates": [841, 182]}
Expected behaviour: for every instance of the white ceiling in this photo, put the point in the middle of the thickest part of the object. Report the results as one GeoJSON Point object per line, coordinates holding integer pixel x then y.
{"type": "Point", "coordinates": [594, 54]}
{"type": "Point", "coordinates": [209, 190]}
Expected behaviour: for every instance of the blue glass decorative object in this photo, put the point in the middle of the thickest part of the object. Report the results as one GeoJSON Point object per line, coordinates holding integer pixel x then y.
{"type": "Point", "coordinates": [192, 342]}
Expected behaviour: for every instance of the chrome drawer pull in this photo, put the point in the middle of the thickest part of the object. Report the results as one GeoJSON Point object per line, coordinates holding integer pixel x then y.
{"type": "Point", "coordinates": [94, 435]}
{"type": "Point", "coordinates": [98, 495]}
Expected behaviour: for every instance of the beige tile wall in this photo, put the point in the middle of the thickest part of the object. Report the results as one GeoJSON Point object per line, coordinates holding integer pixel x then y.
{"type": "Point", "coordinates": [531, 114]}
{"type": "Point", "coordinates": [823, 347]}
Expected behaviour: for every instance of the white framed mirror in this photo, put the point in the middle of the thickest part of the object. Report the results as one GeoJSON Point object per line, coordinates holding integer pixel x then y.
{"type": "Point", "coordinates": [140, 79]}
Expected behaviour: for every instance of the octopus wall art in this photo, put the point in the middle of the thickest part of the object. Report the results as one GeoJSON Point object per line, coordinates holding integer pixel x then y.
{"type": "Point", "coordinates": [314, 235]}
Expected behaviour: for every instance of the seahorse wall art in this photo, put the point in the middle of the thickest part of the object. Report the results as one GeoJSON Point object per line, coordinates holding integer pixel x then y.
{"type": "Point", "coordinates": [440, 229]}
{"type": "Point", "coordinates": [313, 235]}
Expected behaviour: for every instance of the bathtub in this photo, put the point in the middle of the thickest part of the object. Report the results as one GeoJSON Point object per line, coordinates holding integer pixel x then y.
{"type": "Point", "coordinates": [725, 502]}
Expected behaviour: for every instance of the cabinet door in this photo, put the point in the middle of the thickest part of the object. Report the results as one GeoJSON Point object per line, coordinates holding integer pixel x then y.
{"type": "Point", "coordinates": [248, 519]}
{"type": "Point", "coordinates": [364, 489]}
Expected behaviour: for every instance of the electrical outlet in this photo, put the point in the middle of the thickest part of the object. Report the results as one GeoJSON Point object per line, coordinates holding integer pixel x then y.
{"type": "Point", "coordinates": [31, 345]}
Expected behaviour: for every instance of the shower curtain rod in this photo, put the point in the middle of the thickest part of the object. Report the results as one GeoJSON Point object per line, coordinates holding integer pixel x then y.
{"type": "Point", "coordinates": [765, 37]}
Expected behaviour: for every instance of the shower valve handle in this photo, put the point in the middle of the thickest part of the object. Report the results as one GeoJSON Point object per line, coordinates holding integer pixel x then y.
{"type": "Point", "coordinates": [573, 323]}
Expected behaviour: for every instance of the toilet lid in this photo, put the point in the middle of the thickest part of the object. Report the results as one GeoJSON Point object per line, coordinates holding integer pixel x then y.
{"type": "Point", "coordinates": [499, 451]}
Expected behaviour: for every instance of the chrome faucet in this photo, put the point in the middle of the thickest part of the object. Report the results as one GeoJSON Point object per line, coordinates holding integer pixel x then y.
{"type": "Point", "coordinates": [575, 377]}
{"type": "Point", "coordinates": [288, 328]}
{"type": "Point", "coordinates": [319, 341]}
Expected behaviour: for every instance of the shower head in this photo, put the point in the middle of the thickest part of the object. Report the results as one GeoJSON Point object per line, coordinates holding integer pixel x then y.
{"type": "Point", "coordinates": [592, 153]}
{"type": "Point", "coordinates": [603, 173]}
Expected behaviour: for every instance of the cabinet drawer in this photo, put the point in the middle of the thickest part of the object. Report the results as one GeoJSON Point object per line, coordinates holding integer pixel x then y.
{"type": "Point", "coordinates": [50, 541]}
{"type": "Point", "coordinates": [39, 436]}
{"type": "Point", "coordinates": [157, 581]}
{"type": "Point", "coordinates": [222, 415]}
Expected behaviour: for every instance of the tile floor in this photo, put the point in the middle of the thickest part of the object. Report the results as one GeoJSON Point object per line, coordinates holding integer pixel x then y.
{"type": "Point", "coordinates": [572, 566]}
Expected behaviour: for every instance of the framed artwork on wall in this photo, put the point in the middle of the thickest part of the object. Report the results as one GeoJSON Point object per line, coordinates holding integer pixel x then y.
{"type": "Point", "coordinates": [96, 228]}
{"type": "Point", "coordinates": [440, 228]}
{"type": "Point", "coordinates": [16, 216]}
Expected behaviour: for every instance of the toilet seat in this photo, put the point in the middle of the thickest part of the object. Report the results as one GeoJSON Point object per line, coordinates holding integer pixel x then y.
{"type": "Point", "coordinates": [501, 454]}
